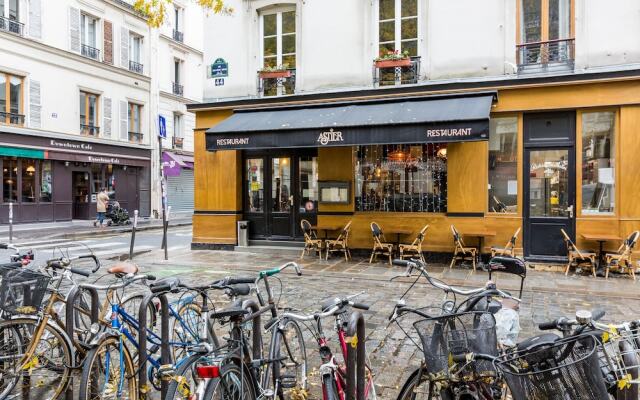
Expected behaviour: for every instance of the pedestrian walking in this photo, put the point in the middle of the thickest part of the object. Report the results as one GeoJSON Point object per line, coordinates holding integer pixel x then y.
{"type": "Point", "coordinates": [101, 206]}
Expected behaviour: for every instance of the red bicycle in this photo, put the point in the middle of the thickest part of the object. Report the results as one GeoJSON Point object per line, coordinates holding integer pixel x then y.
{"type": "Point", "coordinates": [332, 370]}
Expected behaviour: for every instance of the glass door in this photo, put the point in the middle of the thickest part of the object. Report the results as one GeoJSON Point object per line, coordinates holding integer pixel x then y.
{"type": "Point", "coordinates": [280, 217]}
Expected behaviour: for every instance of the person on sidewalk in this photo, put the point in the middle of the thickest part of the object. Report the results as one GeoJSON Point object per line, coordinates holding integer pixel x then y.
{"type": "Point", "coordinates": [101, 206]}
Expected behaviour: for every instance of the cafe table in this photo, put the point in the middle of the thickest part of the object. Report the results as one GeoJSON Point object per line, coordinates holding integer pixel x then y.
{"type": "Point", "coordinates": [399, 232]}
{"type": "Point", "coordinates": [326, 228]}
{"type": "Point", "coordinates": [601, 238]}
{"type": "Point", "coordinates": [481, 234]}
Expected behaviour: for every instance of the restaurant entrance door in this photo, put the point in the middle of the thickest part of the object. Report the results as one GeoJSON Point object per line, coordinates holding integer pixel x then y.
{"type": "Point", "coordinates": [549, 184]}
{"type": "Point", "coordinates": [280, 189]}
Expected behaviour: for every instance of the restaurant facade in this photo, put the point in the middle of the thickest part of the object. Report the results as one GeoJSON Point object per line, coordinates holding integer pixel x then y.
{"type": "Point", "coordinates": [540, 154]}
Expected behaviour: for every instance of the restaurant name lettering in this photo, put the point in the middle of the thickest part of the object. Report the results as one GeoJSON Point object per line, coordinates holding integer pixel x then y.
{"type": "Point", "coordinates": [71, 145]}
{"type": "Point", "coordinates": [106, 160]}
{"type": "Point", "coordinates": [448, 132]}
{"type": "Point", "coordinates": [328, 137]}
{"type": "Point", "coordinates": [232, 141]}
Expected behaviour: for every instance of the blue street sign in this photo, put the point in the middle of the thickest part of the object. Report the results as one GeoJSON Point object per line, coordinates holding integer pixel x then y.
{"type": "Point", "coordinates": [219, 68]}
{"type": "Point", "coordinates": [162, 125]}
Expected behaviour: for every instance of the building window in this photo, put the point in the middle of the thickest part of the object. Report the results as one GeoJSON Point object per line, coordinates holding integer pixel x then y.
{"type": "Point", "coordinates": [46, 181]}
{"type": "Point", "coordinates": [401, 178]}
{"type": "Point", "coordinates": [398, 33]}
{"type": "Point", "coordinates": [503, 165]}
{"type": "Point", "coordinates": [178, 89]}
{"type": "Point", "coordinates": [11, 99]}
{"type": "Point", "coordinates": [178, 133]}
{"type": "Point", "coordinates": [134, 118]}
{"type": "Point", "coordinates": [135, 53]}
{"type": "Point", "coordinates": [598, 162]}
{"type": "Point", "coordinates": [89, 114]}
{"type": "Point", "coordinates": [279, 52]}
{"type": "Point", "coordinates": [28, 180]}
{"type": "Point", "coordinates": [545, 33]}
{"type": "Point", "coordinates": [9, 180]}
{"type": "Point", "coordinates": [177, 27]}
{"type": "Point", "coordinates": [10, 16]}
{"type": "Point", "coordinates": [308, 177]}
{"type": "Point", "coordinates": [88, 36]}
{"type": "Point", "coordinates": [255, 184]}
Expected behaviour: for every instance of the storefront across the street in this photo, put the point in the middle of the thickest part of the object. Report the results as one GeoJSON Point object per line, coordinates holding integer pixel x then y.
{"type": "Point", "coordinates": [178, 172]}
{"type": "Point", "coordinates": [496, 156]}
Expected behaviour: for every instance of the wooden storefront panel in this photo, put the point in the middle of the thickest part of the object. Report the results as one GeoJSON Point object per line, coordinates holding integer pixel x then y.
{"type": "Point", "coordinates": [215, 229]}
{"type": "Point", "coordinates": [467, 175]}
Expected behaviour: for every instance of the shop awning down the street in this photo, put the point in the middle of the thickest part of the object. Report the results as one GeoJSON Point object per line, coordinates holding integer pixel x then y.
{"type": "Point", "coordinates": [433, 119]}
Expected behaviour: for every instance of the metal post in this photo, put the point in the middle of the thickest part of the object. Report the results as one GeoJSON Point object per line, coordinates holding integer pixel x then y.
{"type": "Point", "coordinates": [356, 357]}
{"type": "Point", "coordinates": [10, 222]}
{"type": "Point", "coordinates": [133, 234]}
{"type": "Point", "coordinates": [165, 349]}
{"type": "Point", "coordinates": [166, 232]}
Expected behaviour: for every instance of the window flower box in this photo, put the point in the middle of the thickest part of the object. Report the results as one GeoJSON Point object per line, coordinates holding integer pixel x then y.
{"type": "Point", "coordinates": [274, 74]}
{"type": "Point", "coordinates": [402, 62]}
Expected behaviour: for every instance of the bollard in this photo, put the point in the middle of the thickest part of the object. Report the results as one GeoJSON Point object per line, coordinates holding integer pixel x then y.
{"type": "Point", "coordinates": [10, 222]}
{"type": "Point", "coordinates": [165, 351]}
{"type": "Point", "coordinates": [133, 234]}
{"type": "Point", "coordinates": [356, 358]}
{"type": "Point", "coordinates": [256, 327]}
{"type": "Point", "coordinates": [166, 231]}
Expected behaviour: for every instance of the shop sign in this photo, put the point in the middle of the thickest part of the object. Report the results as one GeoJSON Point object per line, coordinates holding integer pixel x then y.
{"type": "Point", "coordinates": [65, 144]}
{"type": "Point", "coordinates": [219, 69]}
{"type": "Point", "coordinates": [329, 137]}
{"type": "Point", "coordinates": [104, 160]}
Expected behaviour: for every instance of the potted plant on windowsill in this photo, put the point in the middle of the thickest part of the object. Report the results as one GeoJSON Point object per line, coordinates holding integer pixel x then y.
{"type": "Point", "coordinates": [280, 71]}
{"type": "Point", "coordinates": [392, 59]}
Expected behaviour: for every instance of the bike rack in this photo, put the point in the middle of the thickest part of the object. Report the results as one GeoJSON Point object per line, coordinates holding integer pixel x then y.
{"type": "Point", "coordinates": [256, 323]}
{"type": "Point", "coordinates": [356, 357]}
{"type": "Point", "coordinates": [70, 322]}
{"type": "Point", "coordinates": [165, 351]}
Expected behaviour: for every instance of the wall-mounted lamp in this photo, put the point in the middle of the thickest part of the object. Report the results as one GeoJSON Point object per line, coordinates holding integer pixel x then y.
{"type": "Point", "coordinates": [66, 163]}
{"type": "Point", "coordinates": [124, 167]}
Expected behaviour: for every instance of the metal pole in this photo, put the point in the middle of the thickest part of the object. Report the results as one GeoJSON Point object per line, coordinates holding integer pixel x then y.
{"type": "Point", "coordinates": [166, 231]}
{"type": "Point", "coordinates": [356, 357]}
{"type": "Point", "coordinates": [10, 222]}
{"type": "Point", "coordinates": [133, 234]}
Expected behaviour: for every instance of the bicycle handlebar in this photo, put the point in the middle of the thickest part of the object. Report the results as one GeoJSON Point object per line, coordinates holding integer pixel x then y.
{"type": "Point", "coordinates": [277, 270]}
{"type": "Point", "coordinates": [339, 304]}
{"type": "Point", "coordinates": [125, 282]}
{"type": "Point", "coordinates": [64, 262]}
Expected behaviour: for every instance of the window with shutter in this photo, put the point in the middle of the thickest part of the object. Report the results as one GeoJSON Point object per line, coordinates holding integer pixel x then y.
{"type": "Point", "coordinates": [35, 105]}
{"type": "Point", "coordinates": [108, 42]}
{"type": "Point", "coordinates": [74, 29]}
{"type": "Point", "coordinates": [35, 19]}
{"type": "Point", "coordinates": [106, 112]}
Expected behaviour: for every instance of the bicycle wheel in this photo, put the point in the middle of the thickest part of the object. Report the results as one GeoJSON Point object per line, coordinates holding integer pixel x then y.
{"type": "Point", "coordinates": [233, 384]}
{"type": "Point", "coordinates": [329, 388]}
{"type": "Point", "coordinates": [185, 382]}
{"type": "Point", "coordinates": [417, 387]}
{"type": "Point", "coordinates": [131, 305]}
{"type": "Point", "coordinates": [45, 374]}
{"type": "Point", "coordinates": [290, 367]}
{"type": "Point", "coordinates": [108, 372]}
{"type": "Point", "coordinates": [188, 331]}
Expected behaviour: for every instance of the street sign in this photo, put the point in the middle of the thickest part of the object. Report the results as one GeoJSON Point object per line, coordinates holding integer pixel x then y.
{"type": "Point", "coordinates": [220, 68]}
{"type": "Point", "coordinates": [162, 127]}
{"type": "Point", "coordinates": [219, 81]}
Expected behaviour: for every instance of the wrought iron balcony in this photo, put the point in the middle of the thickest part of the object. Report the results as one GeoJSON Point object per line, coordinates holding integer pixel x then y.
{"type": "Point", "coordinates": [136, 67]}
{"type": "Point", "coordinates": [178, 142]}
{"type": "Point", "coordinates": [546, 56]}
{"type": "Point", "coordinates": [135, 137]}
{"type": "Point", "coordinates": [178, 89]}
{"type": "Point", "coordinates": [11, 26]}
{"type": "Point", "coordinates": [90, 52]}
{"type": "Point", "coordinates": [89, 130]}
{"type": "Point", "coordinates": [178, 36]}
{"type": "Point", "coordinates": [400, 74]}
{"type": "Point", "coordinates": [276, 83]}
{"type": "Point", "coordinates": [11, 118]}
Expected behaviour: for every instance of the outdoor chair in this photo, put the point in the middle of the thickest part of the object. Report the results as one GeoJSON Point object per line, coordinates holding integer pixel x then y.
{"type": "Point", "coordinates": [621, 259]}
{"type": "Point", "coordinates": [461, 251]}
{"type": "Point", "coordinates": [578, 257]}
{"type": "Point", "coordinates": [415, 247]}
{"type": "Point", "coordinates": [380, 245]}
{"type": "Point", "coordinates": [311, 241]}
{"type": "Point", "coordinates": [341, 243]}
{"type": "Point", "coordinates": [508, 249]}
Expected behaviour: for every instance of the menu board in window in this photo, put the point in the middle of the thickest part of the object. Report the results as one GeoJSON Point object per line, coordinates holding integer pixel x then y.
{"type": "Point", "coordinates": [334, 192]}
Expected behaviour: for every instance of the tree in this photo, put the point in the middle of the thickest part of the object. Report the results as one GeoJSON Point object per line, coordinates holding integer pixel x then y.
{"type": "Point", "coordinates": [156, 10]}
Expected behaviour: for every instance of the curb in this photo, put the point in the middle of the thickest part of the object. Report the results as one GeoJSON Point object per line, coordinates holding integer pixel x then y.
{"type": "Point", "coordinates": [77, 235]}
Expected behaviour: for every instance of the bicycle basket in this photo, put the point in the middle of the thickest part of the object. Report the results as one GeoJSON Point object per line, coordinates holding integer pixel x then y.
{"type": "Point", "coordinates": [457, 334]}
{"type": "Point", "coordinates": [619, 356]}
{"type": "Point", "coordinates": [566, 370]}
{"type": "Point", "coordinates": [22, 291]}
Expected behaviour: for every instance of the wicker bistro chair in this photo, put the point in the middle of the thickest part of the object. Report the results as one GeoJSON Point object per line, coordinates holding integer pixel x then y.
{"type": "Point", "coordinates": [621, 259]}
{"type": "Point", "coordinates": [461, 251]}
{"type": "Point", "coordinates": [380, 245]}
{"type": "Point", "coordinates": [578, 257]}
{"type": "Point", "coordinates": [508, 249]}
{"type": "Point", "coordinates": [415, 247]}
{"type": "Point", "coordinates": [341, 243]}
{"type": "Point", "coordinates": [311, 241]}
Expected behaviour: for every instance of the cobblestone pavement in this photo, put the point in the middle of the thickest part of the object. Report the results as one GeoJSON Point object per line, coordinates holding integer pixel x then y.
{"type": "Point", "coordinates": [393, 356]}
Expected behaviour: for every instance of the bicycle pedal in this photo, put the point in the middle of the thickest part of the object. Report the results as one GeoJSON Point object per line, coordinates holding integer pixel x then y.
{"type": "Point", "coordinates": [153, 349]}
{"type": "Point", "coordinates": [288, 381]}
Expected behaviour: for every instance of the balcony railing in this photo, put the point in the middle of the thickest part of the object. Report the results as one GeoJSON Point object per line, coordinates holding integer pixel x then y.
{"type": "Point", "coordinates": [89, 130]}
{"type": "Point", "coordinates": [397, 75]}
{"type": "Point", "coordinates": [11, 26]}
{"type": "Point", "coordinates": [90, 52]}
{"type": "Point", "coordinates": [178, 142]}
{"type": "Point", "coordinates": [277, 83]}
{"type": "Point", "coordinates": [543, 56]}
{"type": "Point", "coordinates": [178, 36]}
{"type": "Point", "coordinates": [135, 137]}
{"type": "Point", "coordinates": [11, 118]}
{"type": "Point", "coordinates": [178, 89]}
{"type": "Point", "coordinates": [136, 67]}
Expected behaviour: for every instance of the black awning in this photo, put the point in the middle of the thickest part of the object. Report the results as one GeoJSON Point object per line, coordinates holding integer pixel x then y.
{"type": "Point", "coordinates": [409, 120]}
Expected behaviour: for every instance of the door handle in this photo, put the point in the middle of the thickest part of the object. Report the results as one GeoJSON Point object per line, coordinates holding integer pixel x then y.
{"type": "Point", "coordinates": [291, 200]}
{"type": "Point", "coordinates": [570, 211]}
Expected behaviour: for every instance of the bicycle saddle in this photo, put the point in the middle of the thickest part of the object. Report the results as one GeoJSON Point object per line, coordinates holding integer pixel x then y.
{"type": "Point", "coordinates": [545, 339]}
{"type": "Point", "coordinates": [232, 312]}
{"type": "Point", "coordinates": [124, 268]}
{"type": "Point", "coordinates": [238, 290]}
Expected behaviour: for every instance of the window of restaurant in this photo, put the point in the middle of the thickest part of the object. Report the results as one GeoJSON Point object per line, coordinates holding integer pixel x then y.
{"type": "Point", "coordinates": [503, 165]}
{"type": "Point", "coordinates": [308, 175]}
{"type": "Point", "coordinates": [255, 184]}
{"type": "Point", "coordinates": [28, 169]}
{"type": "Point", "coordinates": [401, 178]}
{"type": "Point", "coordinates": [598, 162]}
{"type": "Point", "coordinates": [279, 50]}
{"type": "Point", "coordinates": [9, 180]}
{"type": "Point", "coordinates": [46, 181]}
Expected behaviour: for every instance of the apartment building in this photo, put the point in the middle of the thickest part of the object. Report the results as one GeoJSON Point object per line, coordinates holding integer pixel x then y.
{"type": "Point", "coordinates": [79, 109]}
{"type": "Point", "coordinates": [501, 116]}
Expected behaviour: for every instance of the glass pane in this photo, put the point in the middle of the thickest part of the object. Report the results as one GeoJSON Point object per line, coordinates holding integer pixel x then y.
{"type": "Point", "coordinates": [548, 183]}
{"type": "Point", "coordinates": [308, 173]}
{"type": "Point", "coordinates": [598, 162]}
{"type": "Point", "coordinates": [281, 184]}
{"type": "Point", "coordinates": [409, 8]}
{"type": "Point", "coordinates": [136, 118]}
{"type": "Point", "coordinates": [401, 178]}
{"type": "Point", "coordinates": [288, 43]}
{"type": "Point", "coordinates": [410, 46]}
{"type": "Point", "coordinates": [559, 19]}
{"type": "Point", "coordinates": [92, 110]}
{"type": "Point", "coordinates": [387, 9]}
{"type": "Point", "coordinates": [409, 28]}
{"type": "Point", "coordinates": [269, 22]}
{"type": "Point", "coordinates": [387, 47]}
{"type": "Point", "coordinates": [9, 180]}
{"type": "Point", "coordinates": [15, 94]}
{"type": "Point", "coordinates": [270, 46]}
{"type": "Point", "coordinates": [46, 181]}
{"type": "Point", "coordinates": [255, 184]}
{"type": "Point", "coordinates": [28, 180]}
{"type": "Point", "coordinates": [289, 61]}
{"type": "Point", "coordinates": [3, 93]}
{"type": "Point", "coordinates": [96, 177]}
{"type": "Point", "coordinates": [83, 108]}
{"type": "Point", "coordinates": [91, 32]}
{"type": "Point", "coordinates": [531, 21]}
{"type": "Point", "coordinates": [270, 61]}
{"type": "Point", "coordinates": [289, 22]}
{"type": "Point", "coordinates": [270, 87]}
{"type": "Point", "coordinates": [387, 31]}
{"type": "Point", "coordinates": [13, 9]}
{"type": "Point", "coordinates": [503, 165]}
